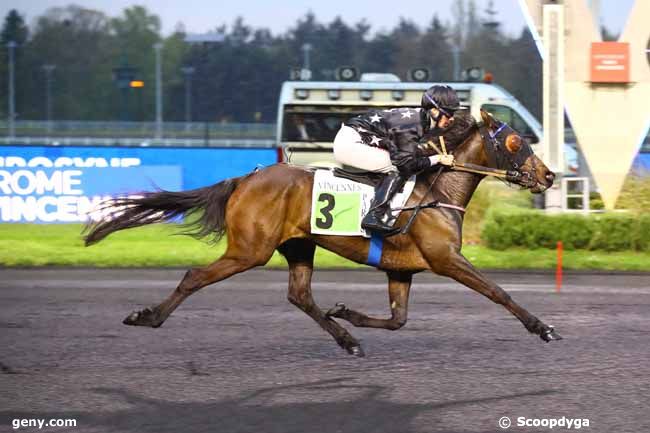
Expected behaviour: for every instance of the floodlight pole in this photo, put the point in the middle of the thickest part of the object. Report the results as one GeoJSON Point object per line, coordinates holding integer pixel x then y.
{"type": "Point", "coordinates": [455, 52]}
{"type": "Point", "coordinates": [187, 72]}
{"type": "Point", "coordinates": [48, 68]}
{"type": "Point", "coordinates": [11, 46]}
{"type": "Point", "coordinates": [306, 48]}
{"type": "Point", "coordinates": [159, 102]}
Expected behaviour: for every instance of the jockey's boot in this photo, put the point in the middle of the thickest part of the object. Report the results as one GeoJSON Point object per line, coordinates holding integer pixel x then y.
{"type": "Point", "coordinates": [380, 205]}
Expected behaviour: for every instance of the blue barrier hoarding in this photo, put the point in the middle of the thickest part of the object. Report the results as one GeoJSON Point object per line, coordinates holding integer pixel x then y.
{"type": "Point", "coordinates": [44, 184]}
{"type": "Point", "coordinates": [642, 163]}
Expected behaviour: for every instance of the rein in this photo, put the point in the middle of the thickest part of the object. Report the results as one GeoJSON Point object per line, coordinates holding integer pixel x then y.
{"type": "Point", "coordinates": [433, 204]}
{"type": "Point", "coordinates": [508, 175]}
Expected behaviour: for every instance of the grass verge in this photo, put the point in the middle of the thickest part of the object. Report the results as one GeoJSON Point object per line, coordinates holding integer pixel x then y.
{"type": "Point", "coordinates": [158, 246]}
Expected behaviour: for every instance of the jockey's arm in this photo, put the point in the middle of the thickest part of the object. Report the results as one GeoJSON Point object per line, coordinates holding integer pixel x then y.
{"type": "Point", "coordinates": [404, 153]}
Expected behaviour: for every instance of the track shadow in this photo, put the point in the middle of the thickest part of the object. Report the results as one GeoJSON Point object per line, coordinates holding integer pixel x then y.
{"type": "Point", "coordinates": [368, 412]}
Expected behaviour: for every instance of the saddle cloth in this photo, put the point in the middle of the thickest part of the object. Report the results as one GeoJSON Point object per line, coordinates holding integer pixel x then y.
{"type": "Point", "coordinates": [338, 205]}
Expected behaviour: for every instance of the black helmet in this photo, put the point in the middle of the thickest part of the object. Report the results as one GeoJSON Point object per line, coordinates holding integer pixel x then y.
{"type": "Point", "coordinates": [443, 98]}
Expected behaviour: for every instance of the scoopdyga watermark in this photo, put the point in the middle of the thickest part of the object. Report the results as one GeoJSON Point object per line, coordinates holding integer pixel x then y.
{"type": "Point", "coordinates": [549, 423]}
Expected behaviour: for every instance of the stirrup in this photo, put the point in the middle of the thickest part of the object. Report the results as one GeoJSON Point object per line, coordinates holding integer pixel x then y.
{"type": "Point", "coordinates": [383, 229]}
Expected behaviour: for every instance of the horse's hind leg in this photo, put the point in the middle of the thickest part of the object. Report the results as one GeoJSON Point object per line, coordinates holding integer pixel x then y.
{"type": "Point", "coordinates": [300, 256]}
{"type": "Point", "coordinates": [399, 285]}
{"type": "Point", "coordinates": [234, 261]}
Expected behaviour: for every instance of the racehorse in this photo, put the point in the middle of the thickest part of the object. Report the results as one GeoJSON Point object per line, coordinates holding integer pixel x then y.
{"type": "Point", "coordinates": [269, 209]}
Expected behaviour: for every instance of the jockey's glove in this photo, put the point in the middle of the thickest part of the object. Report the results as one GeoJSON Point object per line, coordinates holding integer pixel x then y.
{"type": "Point", "coordinates": [408, 164]}
{"type": "Point", "coordinates": [446, 159]}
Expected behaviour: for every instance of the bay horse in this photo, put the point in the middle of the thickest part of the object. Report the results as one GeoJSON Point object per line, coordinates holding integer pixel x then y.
{"type": "Point", "coordinates": [269, 209]}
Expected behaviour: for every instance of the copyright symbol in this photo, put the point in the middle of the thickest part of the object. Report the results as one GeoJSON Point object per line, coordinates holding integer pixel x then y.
{"type": "Point", "coordinates": [504, 422]}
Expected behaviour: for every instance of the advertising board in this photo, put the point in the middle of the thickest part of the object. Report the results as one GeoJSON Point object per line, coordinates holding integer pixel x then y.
{"type": "Point", "coordinates": [45, 184]}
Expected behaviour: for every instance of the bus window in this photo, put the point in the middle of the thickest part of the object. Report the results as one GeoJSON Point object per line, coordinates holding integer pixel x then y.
{"type": "Point", "coordinates": [314, 124]}
{"type": "Point", "coordinates": [512, 118]}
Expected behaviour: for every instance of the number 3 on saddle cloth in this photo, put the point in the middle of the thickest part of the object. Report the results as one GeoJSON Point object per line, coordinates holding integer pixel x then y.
{"type": "Point", "coordinates": [338, 205]}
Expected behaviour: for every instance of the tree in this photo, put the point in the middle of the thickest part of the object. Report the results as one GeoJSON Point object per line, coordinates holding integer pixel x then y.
{"type": "Point", "coordinates": [435, 51]}
{"type": "Point", "coordinates": [459, 26]}
{"type": "Point", "coordinates": [77, 41]}
{"type": "Point", "coordinates": [239, 79]}
{"type": "Point", "coordinates": [135, 32]}
{"type": "Point", "coordinates": [407, 46]}
{"type": "Point", "coordinates": [15, 30]}
{"type": "Point", "coordinates": [525, 81]}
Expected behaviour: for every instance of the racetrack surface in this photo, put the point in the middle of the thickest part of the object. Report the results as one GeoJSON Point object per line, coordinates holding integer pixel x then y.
{"type": "Point", "coordinates": [237, 357]}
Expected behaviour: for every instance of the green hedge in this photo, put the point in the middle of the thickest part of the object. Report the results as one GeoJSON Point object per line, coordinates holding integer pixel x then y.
{"type": "Point", "coordinates": [535, 229]}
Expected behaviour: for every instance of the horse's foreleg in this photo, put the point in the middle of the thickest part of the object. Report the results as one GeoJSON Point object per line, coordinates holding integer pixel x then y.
{"type": "Point", "coordinates": [231, 263]}
{"type": "Point", "coordinates": [300, 256]}
{"type": "Point", "coordinates": [461, 270]}
{"type": "Point", "coordinates": [399, 285]}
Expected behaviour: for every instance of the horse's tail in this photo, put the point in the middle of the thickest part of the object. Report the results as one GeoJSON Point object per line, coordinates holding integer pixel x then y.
{"type": "Point", "coordinates": [154, 207]}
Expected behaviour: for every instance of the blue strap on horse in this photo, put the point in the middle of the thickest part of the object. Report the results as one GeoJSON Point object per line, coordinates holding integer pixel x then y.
{"type": "Point", "coordinates": [375, 249]}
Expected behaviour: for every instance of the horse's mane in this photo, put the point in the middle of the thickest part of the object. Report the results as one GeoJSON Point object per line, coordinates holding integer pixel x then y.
{"type": "Point", "coordinates": [464, 124]}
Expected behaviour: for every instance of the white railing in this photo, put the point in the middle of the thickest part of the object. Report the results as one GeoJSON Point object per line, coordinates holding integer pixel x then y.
{"type": "Point", "coordinates": [139, 142]}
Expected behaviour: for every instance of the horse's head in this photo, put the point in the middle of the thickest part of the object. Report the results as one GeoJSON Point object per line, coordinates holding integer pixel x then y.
{"type": "Point", "coordinates": [505, 149]}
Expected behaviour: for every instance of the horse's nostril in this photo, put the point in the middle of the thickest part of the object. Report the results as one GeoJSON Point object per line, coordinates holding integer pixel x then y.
{"type": "Point", "coordinates": [550, 176]}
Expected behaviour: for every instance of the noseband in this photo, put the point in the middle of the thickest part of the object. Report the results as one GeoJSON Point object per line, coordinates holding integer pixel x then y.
{"type": "Point", "coordinates": [502, 159]}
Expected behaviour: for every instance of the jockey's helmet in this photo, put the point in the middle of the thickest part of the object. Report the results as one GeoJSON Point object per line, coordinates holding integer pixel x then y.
{"type": "Point", "coordinates": [443, 98]}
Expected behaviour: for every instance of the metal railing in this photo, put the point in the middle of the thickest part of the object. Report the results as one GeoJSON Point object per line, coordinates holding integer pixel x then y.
{"type": "Point", "coordinates": [109, 133]}
{"type": "Point", "coordinates": [104, 133]}
{"type": "Point", "coordinates": [139, 142]}
{"type": "Point", "coordinates": [138, 129]}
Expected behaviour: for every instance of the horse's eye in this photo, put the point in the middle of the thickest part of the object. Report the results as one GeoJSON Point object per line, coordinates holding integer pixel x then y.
{"type": "Point", "coordinates": [513, 143]}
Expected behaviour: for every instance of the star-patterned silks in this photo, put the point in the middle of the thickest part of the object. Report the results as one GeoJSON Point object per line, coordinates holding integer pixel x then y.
{"type": "Point", "coordinates": [377, 128]}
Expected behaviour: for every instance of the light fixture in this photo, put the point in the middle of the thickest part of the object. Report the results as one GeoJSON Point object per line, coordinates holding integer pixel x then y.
{"type": "Point", "coordinates": [398, 95]}
{"type": "Point", "coordinates": [334, 94]}
{"type": "Point", "coordinates": [366, 95]}
{"type": "Point", "coordinates": [302, 93]}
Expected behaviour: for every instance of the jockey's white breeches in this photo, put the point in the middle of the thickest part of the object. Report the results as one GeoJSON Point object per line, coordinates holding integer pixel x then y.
{"type": "Point", "coordinates": [349, 149]}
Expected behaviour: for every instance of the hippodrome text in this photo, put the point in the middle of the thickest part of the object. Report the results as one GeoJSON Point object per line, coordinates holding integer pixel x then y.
{"type": "Point", "coordinates": [48, 190]}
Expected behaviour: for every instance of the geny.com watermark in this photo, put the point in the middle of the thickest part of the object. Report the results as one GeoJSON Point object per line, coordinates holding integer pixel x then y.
{"type": "Point", "coordinates": [40, 423]}
{"type": "Point", "coordinates": [550, 423]}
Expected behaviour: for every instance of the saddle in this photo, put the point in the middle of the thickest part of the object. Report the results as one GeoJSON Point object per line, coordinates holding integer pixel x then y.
{"type": "Point", "coordinates": [357, 175]}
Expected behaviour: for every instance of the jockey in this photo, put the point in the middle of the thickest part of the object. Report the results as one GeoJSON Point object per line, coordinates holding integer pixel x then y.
{"type": "Point", "coordinates": [385, 141]}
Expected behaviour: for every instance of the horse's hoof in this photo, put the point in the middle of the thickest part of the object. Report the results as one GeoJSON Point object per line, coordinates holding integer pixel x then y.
{"type": "Point", "coordinates": [146, 317]}
{"type": "Point", "coordinates": [132, 319]}
{"type": "Point", "coordinates": [356, 351]}
{"type": "Point", "coordinates": [336, 310]}
{"type": "Point", "coordinates": [549, 334]}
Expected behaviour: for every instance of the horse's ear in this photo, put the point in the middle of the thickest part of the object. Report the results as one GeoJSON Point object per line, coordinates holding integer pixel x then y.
{"type": "Point", "coordinates": [486, 118]}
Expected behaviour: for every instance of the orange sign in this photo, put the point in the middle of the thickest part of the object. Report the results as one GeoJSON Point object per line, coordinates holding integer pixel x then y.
{"type": "Point", "coordinates": [610, 62]}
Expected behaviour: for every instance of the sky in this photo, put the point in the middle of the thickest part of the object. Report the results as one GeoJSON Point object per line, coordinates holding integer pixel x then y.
{"type": "Point", "coordinates": [200, 16]}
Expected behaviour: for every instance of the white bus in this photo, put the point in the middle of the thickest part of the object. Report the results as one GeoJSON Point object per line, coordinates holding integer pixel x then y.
{"type": "Point", "coordinates": [310, 113]}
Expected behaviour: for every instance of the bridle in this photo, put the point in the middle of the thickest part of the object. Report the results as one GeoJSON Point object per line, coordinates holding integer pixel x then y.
{"type": "Point", "coordinates": [504, 160]}
{"type": "Point", "coordinates": [502, 164]}
{"type": "Point", "coordinates": [496, 158]}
